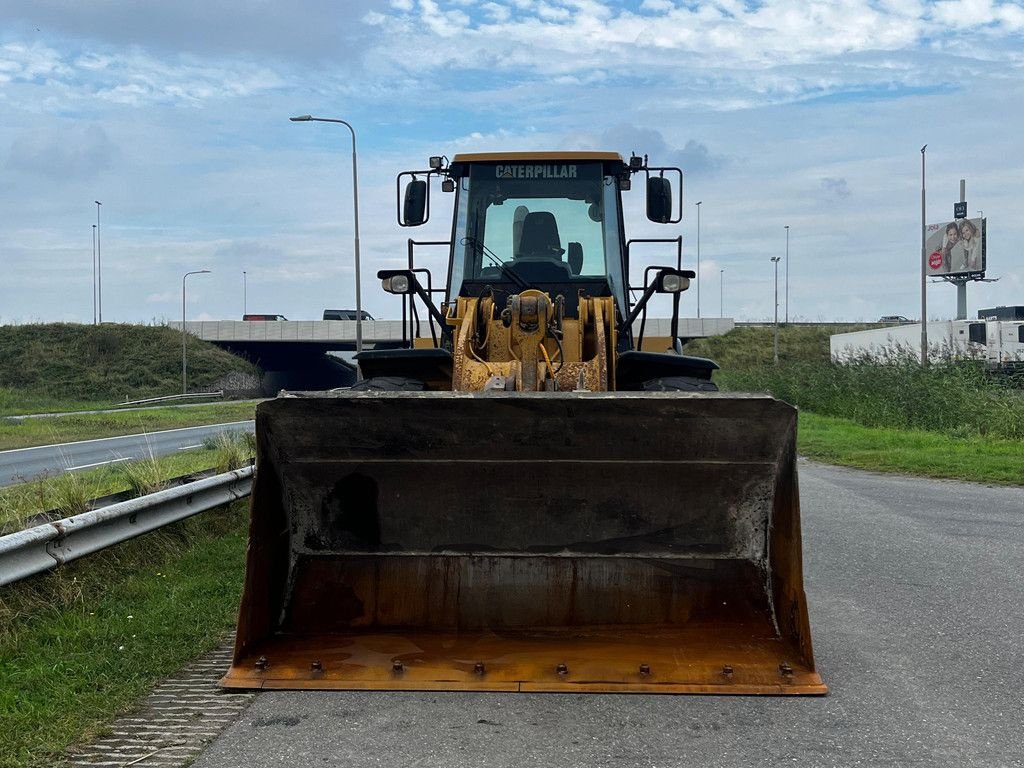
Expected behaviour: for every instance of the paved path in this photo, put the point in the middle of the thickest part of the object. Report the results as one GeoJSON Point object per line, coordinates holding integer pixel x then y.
{"type": "Point", "coordinates": [22, 464]}
{"type": "Point", "coordinates": [171, 725]}
{"type": "Point", "coordinates": [916, 590]}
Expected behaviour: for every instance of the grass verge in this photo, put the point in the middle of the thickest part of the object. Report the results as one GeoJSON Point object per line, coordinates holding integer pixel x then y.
{"type": "Point", "coordinates": [915, 452]}
{"type": "Point", "coordinates": [69, 363]}
{"type": "Point", "coordinates": [80, 645]}
{"type": "Point", "coordinates": [25, 433]}
{"type": "Point", "coordinates": [70, 493]}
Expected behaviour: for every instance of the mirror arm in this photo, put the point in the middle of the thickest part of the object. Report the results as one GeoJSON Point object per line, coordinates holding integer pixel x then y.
{"type": "Point", "coordinates": [627, 323]}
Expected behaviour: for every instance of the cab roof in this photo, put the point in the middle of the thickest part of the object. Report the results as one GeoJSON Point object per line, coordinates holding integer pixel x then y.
{"type": "Point", "coordinates": [460, 165]}
{"type": "Point", "coordinates": [499, 157]}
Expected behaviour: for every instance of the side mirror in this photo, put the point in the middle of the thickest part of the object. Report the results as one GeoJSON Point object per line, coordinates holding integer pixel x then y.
{"type": "Point", "coordinates": [414, 207]}
{"type": "Point", "coordinates": [659, 199]}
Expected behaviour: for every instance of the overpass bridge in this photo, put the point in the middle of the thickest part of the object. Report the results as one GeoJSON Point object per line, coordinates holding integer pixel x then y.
{"type": "Point", "coordinates": [310, 354]}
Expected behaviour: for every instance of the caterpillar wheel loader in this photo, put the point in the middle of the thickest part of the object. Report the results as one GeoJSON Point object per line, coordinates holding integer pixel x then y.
{"type": "Point", "coordinates": [536, 497]}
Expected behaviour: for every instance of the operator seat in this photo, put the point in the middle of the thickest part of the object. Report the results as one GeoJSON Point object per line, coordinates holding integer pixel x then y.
{"type": "Point", "coordinates": [540, 238]}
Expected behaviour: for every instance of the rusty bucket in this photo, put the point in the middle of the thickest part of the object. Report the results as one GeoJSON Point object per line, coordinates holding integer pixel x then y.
{"type": "Point", "coordinates": [618, 541]}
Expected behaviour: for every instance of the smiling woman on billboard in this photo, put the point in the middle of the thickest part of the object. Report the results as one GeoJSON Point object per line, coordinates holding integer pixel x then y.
{"type": "Point", "coordinates": [970, 241]}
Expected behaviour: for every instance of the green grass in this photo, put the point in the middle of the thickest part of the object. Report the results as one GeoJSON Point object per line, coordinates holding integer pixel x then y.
{"type": "Point", "coordinates": [56, 366]}
{"type": "Point", "coordinates": [949, 420]}
{"type": "Point", "coordinates": [954, 398]}
{"type": "Point", "coordinates": [14, 402]}
{"type": "Point", "coordinates": [914, 452]}
{"type": "Point", "coordinates": [82, 644]}
{"type": "Point", "coordinates": [23, 433]}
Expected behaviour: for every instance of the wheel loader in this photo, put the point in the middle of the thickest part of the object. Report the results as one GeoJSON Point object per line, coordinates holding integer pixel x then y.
{"type": "Point", "coordinates": [534, 493]}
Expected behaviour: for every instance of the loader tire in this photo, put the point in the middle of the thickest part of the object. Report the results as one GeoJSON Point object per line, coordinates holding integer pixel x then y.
{"type": "Point", "coordinates": [390, 384]}
{"type": "Point", "coordinates": [679, 384]}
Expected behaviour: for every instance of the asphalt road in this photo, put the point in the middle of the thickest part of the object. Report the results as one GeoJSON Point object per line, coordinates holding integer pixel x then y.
{"type": "Point", "coordinates": [916, 590]}
{"type": "Point", "coordinates": [22, 464]}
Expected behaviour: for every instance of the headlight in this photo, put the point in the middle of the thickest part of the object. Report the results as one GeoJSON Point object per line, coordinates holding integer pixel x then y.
{"type": "Point", "coordinates": [395, 284]}
{"type": "Point", "coordinates": [672, 283]}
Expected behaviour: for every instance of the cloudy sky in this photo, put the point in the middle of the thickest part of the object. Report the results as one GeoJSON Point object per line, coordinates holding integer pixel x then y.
{"type": "Point", "coordinates": [811, 114]}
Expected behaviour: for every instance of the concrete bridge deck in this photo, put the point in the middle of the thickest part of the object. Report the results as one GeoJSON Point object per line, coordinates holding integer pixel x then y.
{"type": "Point", "coordinates": [340, 335]}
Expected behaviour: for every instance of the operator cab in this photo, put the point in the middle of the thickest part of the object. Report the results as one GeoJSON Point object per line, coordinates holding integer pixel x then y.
{"type": "Point", "coordinates": [550, 221]}
{"type": "Point", "coordinates": [530, 221]}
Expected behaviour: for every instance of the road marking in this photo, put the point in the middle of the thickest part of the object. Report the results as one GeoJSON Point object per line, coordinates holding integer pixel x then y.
{"type": "Point", "coordinates": [97, 464]}
{"type": "Point", "coordinates": [187, 447]}
{"type": "Point", "coordinates": [147, 435]}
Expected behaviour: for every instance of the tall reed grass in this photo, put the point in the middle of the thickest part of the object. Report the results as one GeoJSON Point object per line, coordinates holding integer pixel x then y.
{"type": "Point", "coordinates": [957, 398]}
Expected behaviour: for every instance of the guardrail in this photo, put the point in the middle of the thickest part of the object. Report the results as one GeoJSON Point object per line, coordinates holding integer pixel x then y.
{"type": "Point", "coordinates": [46, 546]}
{"type": "Point", "coordinates": [168, 398]}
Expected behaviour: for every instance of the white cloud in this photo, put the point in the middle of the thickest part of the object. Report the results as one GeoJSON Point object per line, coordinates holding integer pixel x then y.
{"type": "Point", "coordinates": [496, 13]}
{"type": "Point", "coordinates": [28, 62]}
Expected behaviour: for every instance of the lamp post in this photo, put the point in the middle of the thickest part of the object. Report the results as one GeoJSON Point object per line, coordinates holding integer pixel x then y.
{"type": "Point", "coordinates": [698, 256]}
{"type": "Point", "coordinates": [924, 272]}
{"type": "Point", "coordinates": [184, 335]}
{"type": "Point", "coordinates": [94, 274]}
{"type": "Point", "coordinates": [99, 263]}
{"type": "Point", "coordinates": [787, 274]}
{"type": "Point", "coordinates": [355, 213]}
{"type": "Point", "coordinates": [775, 261]}
{"type": "Point", "coordinates": [245, 297]}
{"type": "Point", "coordinates": [721, 293]}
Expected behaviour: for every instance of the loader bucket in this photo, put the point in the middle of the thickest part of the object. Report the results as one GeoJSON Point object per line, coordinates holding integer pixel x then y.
{"type": "Point", "coordinates": [620, 541]}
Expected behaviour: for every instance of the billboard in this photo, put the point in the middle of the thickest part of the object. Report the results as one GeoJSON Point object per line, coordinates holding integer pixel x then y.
{"type": "Point", "coordinates": [955, 247]}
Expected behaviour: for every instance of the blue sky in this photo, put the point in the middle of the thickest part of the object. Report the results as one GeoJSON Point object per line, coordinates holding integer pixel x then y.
{"type": "Point", "coordinates": [810, 114]}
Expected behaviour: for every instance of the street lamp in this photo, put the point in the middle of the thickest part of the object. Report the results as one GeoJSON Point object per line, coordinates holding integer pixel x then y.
{"type": "Point", "coordinates": [94, 274]}
{"type": "Point", "coordinates": [698, 256]}
{"type": "Point", "coordinates": [99, 263]}
{"type": "Point", "coordinates": [721, 293]}
{"type": "Point", "coordinates": [355, 213]}
{"type": "Point", "coordinates": [787, 274]}
{"type": "Point", "coordinates": [245, 299]}
{"type": "Point", "coordinates": [775, 261]}
{"type": "Point", "coordinates": [184, 335]}
{"type": "Point", "coordinates": [924, 272]}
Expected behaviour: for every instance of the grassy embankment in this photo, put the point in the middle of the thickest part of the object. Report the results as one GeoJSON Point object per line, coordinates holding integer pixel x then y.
{"type": "Point", "coordinates": [63, 367]}
{"type": "Point", "coordinates": [949, 420]}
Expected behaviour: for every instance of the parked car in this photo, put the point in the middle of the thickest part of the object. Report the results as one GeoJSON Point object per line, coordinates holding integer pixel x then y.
{"type": "Point", "coordinates": [264, 317]}
{"type": "Point", "coordinates": [345, 314]}
{"type": "Point", "coordinates": [894, 319]}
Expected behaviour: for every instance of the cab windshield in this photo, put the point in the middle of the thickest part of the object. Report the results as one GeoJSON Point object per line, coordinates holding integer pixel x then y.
{"type": "Point", "coordinates": [543, 222]}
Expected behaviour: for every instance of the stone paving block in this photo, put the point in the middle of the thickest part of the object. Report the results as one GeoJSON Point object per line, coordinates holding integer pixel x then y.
{"type": "Point", "coordinates": [173, 723]}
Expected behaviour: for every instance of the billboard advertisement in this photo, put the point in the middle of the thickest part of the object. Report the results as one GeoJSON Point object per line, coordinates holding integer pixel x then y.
{"type": "Point", "coordinates": [955, 247]}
